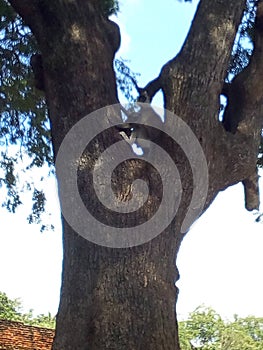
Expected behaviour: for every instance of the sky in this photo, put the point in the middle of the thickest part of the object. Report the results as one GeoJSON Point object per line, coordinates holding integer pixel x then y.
{"type": "Point", "coordinates": [221, 258]}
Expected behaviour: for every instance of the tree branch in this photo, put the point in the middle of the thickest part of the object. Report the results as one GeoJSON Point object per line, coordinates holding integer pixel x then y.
{"type": "Point", "coordinates": [209, 43]}
{"type": "Point", "coordinates": [245, 94]}
{"type": "Point", "coordinates": [244, 111]}
{"type": "Point", "coordinates": [219, 24]}
{"type": "Point", "coordinates": [192, 83]}
{"type": "Point", "coordinates": [251, 189]}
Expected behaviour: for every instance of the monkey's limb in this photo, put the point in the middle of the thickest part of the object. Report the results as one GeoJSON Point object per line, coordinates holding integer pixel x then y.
{"type": "Point", "coordinates": [125, 129]}
{"type": "Point", "coordinates": [152, 88]}
{"type": "Point", "coordinates": [147, 93]}
{"type": "Point", "coordinates": [37, 67]}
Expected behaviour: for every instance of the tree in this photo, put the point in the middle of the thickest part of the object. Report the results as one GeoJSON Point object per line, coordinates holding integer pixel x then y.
{"type": "Point", "coordinates": [9, 309]}
{"type": "Point", "coordinates": [205, 330]}
{"type": "Point", "coordinates": [124, 298]}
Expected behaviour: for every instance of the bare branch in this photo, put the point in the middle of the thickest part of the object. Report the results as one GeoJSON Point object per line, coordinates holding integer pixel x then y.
{"type": "Point", "coordinates": [209, 43]}
{"type": "Point", "coordinates": [222, 19]}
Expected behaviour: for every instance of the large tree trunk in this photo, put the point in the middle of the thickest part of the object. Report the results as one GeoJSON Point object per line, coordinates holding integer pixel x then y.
{"type": "Point", "coordinates": [125, 298]}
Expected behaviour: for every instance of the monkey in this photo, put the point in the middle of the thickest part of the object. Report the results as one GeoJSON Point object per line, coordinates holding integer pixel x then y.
{"type": "Point", "coordinates": [140, 134]}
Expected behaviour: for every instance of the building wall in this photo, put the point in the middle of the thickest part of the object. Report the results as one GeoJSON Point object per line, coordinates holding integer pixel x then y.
{"type": "Point", "coordinates": [17, 336]}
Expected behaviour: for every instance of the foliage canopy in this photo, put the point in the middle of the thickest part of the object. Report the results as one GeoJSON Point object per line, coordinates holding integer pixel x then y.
{"type": "Point", "coordinates": [206, 330]}
{"type": "Point", "coordinates": [12, 310]}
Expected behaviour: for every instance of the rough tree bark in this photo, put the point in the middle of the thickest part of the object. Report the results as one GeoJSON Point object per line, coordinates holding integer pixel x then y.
{"type": "Point", "coordinates": [125, 298]}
